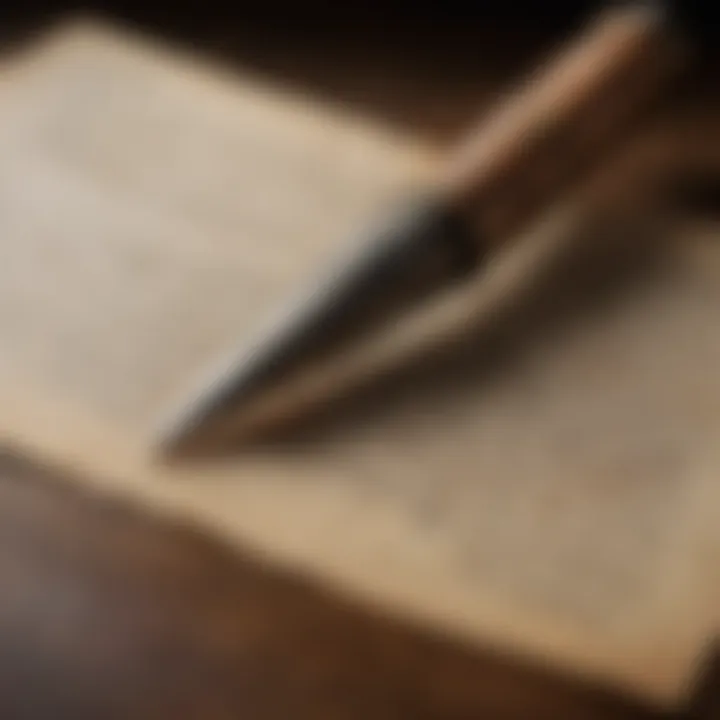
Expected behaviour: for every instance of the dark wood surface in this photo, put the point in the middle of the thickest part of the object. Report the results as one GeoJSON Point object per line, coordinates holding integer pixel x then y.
{"type": "Point", "coordinates": [107, 614]}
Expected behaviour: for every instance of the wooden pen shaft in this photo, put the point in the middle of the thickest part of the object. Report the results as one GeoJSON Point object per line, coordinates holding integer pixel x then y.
{"type": "Point", "coordinates": [561, 120]}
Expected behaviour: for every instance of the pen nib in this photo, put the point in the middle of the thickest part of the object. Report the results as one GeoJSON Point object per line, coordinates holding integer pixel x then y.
{"type": "Point", "coordinates": [410, 258]}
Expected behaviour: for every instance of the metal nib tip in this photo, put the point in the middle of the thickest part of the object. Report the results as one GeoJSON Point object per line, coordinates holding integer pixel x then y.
{"type": "Point", "coordinates": [408, 259]}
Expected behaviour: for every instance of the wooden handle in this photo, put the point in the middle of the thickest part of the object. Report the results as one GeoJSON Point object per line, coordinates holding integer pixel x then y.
{"type": "Point", "coordinates": [560, 120]}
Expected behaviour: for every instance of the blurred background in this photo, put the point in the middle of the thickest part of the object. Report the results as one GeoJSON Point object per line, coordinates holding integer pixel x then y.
{"type": "Point", "coordinates": [382, 58]}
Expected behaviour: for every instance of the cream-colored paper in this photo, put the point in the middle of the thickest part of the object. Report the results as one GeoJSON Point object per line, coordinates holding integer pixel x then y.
{"type": "Point", "coordinates": [558, 503]}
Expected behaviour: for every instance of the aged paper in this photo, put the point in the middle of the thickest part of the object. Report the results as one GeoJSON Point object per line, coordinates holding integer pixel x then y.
{"type": "Point", "coordinates": [549, 489]}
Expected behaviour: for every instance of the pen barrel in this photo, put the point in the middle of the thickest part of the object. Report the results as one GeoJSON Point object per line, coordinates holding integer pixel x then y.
{"type": "Point", "coordinates": [562, 119]}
